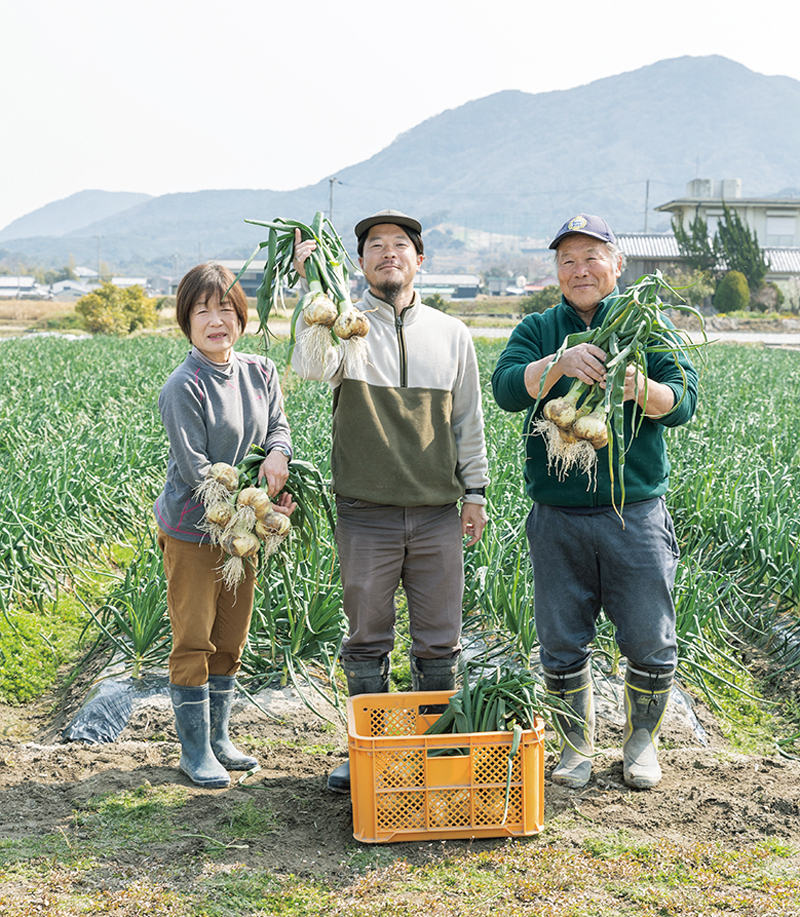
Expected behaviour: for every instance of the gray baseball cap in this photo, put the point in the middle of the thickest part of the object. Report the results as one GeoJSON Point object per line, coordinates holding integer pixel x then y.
{"type": "Point", "coordinates": [387, 216]}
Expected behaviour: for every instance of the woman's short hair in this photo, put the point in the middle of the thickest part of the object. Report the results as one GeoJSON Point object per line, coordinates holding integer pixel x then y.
{"type": "Point", "coordinates": [412, 234]}
{"type": "Point", "coordinates": [203, 281]}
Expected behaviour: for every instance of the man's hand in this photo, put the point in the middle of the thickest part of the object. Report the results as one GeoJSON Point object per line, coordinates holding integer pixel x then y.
{"type": "Point", "coordinates": [583, 361]}
{"type": "Point", "coordinates": [302, 250]}
{"type": "Point", "coordinates": [473, 522]}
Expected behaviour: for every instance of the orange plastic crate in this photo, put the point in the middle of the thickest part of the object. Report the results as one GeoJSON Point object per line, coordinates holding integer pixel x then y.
{"type": "Point", "coordinates": [401, 793]}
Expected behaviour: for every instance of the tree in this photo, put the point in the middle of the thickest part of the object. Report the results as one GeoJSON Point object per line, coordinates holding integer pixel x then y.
{"type": "Point", "coordinates": [541, 301]}
{"type": "Point", "coordinates": [733, 294]}
{"type": "Point", "coordinates": [694, 287]}
{"type": "Point", "coordinates": [737, 246]}
{"type": "Point", "coordinates": [113, 310]}
{"type": "Point", "coordinates": [695, 245]}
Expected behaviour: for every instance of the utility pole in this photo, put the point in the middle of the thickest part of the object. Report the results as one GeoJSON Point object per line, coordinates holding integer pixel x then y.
{"type": "Point", "coordinates": [646, 203]}
{"type": "Point", "coordinates": [332, 181]}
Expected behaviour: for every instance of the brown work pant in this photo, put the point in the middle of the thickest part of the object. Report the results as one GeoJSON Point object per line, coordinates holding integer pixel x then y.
{"type": "Point", "coordinates": [209, 622]}
{"type": "Point", "coordinates": [381, 547]}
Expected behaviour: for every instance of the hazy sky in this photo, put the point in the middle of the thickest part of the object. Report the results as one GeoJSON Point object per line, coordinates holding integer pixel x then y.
{"type": "Point", "coordinates": [159, 96]}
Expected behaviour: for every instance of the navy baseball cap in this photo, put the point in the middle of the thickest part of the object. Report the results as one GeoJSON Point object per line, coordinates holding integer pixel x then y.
{"type": "Point", "coordinates": [586, 225]}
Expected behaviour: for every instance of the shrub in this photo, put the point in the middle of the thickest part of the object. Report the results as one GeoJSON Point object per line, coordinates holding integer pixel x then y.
{"type": "Point", "coordinates": [733, 293]}
{"type": "Point", "coordinates": [113, 310]}
{"type": "Point", "coordinates": [768, 298]}
{"type": "Point", "coordinates": [436, 301]}
{"type": "Point", "coordinates": [541, 301]}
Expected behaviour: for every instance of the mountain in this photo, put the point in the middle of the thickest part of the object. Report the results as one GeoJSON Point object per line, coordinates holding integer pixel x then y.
{"type": "Point", "coordinates": [71, 213]}
{"type": "Point", "coordinates": [513, 162]}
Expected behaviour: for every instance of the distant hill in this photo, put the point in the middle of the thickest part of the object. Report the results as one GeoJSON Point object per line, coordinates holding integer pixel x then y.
{"type": "Point", "coordinates": [513, 162]}
{"type": "Point", "coordinates": [71, 213]}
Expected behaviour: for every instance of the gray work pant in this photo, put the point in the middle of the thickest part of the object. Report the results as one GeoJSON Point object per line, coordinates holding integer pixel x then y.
{"type": "Point", "coordinates": [381, 547]}
{"type": "Point", "coordinates": [582, 563]}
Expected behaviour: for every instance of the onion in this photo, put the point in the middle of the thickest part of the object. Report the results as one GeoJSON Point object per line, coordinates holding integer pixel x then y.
{"type": "Point", "coordinates": [219, 514]}
{"type": "Point", "coordinates": [273, 524]}
{"type": "Point", "coordinates": [242, 545]}
{"type": "Point", "coordinates": [224, 474]}
{"type": "Point", "coordinates": [561, 412]}
{"type": "Point", "coordinates": [592, 427]}
{"type": "Point", "coordinates": [320, 311]}
{"type": "Point", "coordinates": [351, 323]}
{"type": "Point", "coordinates": [257, 499]}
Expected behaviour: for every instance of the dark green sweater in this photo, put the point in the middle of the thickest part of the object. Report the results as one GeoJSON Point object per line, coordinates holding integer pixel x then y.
{"type": "Point", "coordinates": [646, 468]}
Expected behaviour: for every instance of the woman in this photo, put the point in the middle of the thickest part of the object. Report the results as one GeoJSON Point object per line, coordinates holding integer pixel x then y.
{"type": "Point", "coordinates": [213, 406]}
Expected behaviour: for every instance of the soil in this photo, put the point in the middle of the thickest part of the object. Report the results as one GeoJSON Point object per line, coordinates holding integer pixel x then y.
{"type": "Point", "coordinates": [709, 794]}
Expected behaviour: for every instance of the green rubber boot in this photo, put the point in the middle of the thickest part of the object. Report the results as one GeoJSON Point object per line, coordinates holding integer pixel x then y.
{"type": "Point", "coordinates": [221, 689]}
{"type": "Point", "coordinates": [646, 699]}
{"type": "Point", "coordinates": [575, 688]}
{"type": "Point", "coordinates": [370, 677]}
{"type": "Point", "coordinates": [192, 724]}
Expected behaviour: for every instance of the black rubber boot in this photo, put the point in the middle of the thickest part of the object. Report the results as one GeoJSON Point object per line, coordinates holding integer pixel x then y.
{"type": "Point", "coordinates": [575, 764]}
{"type": "Point", "coordinates": [370, 677]}
{"type": "Point", "coordinates": [221, 689]}
{"type": "Point", "coordinates": [434, 674]}
{"type": "Point", "coordinates": [192, 724]}
{"type": "Point", "coordinates": [646, 699]}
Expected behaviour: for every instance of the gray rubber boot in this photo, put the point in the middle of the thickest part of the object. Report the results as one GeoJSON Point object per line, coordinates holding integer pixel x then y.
{"type": "Point", "coordinates": [646, 699]}
{"type": "Point", "coordinates": [192, 724]}
{"type": "Point", "coordinates": [370, 677]}
{"type": "Point", "coordinates": [221, 689]}
{"type": "Point", "coordinates": [434, 674]}
{"type": "Point", "coordinates": [575, 688]}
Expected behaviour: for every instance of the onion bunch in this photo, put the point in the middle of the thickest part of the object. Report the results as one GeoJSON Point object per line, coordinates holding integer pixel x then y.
{"type": "Point", "coordinates": [589, 417]}
{"type": "Point", "coordinates": [326, 307]}
{"type": "Point", "coordinates": [239, 515]}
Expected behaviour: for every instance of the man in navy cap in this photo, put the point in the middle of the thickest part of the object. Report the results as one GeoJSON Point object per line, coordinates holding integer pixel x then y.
{"type": "Point", "coordinates": [408, 448]}
{"type": "Point", "coordinates": [583, 559]}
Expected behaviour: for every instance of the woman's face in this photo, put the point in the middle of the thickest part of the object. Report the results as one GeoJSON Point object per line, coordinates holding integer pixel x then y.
{"type": "Point", "coordinates": [214, 327]}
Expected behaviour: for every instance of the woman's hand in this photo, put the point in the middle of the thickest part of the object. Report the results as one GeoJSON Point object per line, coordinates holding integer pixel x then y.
{"type": "Point", "coordinates": [302, 250]}
{"type": "Point", "coordinates": [284, 504]}
{"type": "Point", "coordinates": [275, 468]}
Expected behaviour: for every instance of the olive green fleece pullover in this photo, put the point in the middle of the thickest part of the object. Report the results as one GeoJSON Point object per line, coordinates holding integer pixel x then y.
{"type": "Point", "coordinates": [407, 421]}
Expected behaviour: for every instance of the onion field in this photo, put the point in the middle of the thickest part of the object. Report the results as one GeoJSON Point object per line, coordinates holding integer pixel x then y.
{"type": "Point", "coordinates": [83, 455]}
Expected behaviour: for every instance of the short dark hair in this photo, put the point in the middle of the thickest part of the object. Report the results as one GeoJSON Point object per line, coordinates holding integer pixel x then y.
{"type": "Point", "coordinates": [412, 234]}
{"type": "Point", "coordinates": [205, 280]}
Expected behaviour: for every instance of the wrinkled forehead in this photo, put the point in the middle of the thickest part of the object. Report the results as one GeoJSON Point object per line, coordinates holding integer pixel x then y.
{"type": "Point", "coordinates": [578, 244]}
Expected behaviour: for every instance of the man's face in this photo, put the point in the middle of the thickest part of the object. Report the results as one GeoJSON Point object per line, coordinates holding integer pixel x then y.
{"type": "Point", "coordinates": [587, 271]}
{"type": "Point", "coordinates": [390, 261]}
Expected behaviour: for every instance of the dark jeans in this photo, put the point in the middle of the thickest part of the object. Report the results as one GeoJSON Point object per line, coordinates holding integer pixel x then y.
{"type": "Point", "coordinates": [582, 563]}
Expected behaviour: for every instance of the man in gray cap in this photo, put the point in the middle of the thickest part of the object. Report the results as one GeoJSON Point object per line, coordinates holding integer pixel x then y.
{"type": "Point", "coordinates": [408, 446]}
{"type": "Point", "coordinates": [583, 559]}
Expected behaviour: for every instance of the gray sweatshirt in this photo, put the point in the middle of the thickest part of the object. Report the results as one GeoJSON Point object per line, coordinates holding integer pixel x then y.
{"type": "Point", "coordinates": [214, 412]}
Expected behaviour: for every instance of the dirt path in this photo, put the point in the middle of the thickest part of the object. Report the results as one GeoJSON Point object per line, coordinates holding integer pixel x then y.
{"type": "Point", "coordinates": [708, 794]}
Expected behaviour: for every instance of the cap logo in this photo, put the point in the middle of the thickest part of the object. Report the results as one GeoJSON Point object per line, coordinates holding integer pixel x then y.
{"type": "Point", "coordinates": [576, 223]}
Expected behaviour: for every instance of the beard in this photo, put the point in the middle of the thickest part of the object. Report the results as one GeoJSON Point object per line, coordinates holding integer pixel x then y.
{"type": "Point", "coordinates": [388, 290]}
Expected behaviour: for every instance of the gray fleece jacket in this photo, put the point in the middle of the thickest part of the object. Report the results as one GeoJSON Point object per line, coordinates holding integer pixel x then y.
{"type": "Point", "coordinates": [214, 412]}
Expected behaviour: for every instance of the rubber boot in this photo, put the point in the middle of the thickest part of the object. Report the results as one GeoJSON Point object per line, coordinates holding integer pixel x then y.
{"type": "Point", "coordinates": [192, 724]}
{"type": "Point", "coordinates": [434, 674]}
{"type": "Point", "coordinates": [221, 689]}
{"type": "Point", "coordinates": [646, 699]}
{"type": "Point", "coordinates": [370, 677]}
{"type": "Point", "coordinates": [575, 688]}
